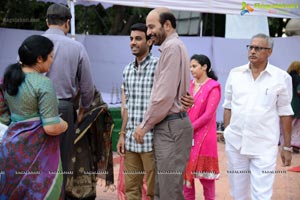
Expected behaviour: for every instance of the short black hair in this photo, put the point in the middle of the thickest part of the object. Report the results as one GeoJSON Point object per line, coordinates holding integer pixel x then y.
{"type": "Point", "coordinates": [164, 16]}
{"type": "Point", "coordinates": [58, 14]}
{"type": "Point", "coordinates": [140, 27]}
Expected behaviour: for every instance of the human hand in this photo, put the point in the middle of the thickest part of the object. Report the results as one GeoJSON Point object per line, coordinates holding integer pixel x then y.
{"type": "Point", "coordinates": [80, 115]}
{"type": "Point", "coordinates": [121, 145]}
{"type": "Point", "coordinates": [187, 101]}
{"type": "Point", "coordinates": [286, 158]}
{"type": "Point", "coordinates": [139, 135]}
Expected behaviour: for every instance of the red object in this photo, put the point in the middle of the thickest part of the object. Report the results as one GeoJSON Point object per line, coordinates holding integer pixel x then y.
{"type": "Point", "coordinates": [294, 169]}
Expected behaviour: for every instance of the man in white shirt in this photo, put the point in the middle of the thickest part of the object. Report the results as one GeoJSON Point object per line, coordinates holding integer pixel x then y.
{"type": "Point", "coordinates": [257, 99]}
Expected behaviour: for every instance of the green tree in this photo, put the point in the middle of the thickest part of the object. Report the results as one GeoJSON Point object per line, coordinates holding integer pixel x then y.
{"type": "Point", "coordinates": [30, 14]}
{"type": "Point", "coordinates": [23, 14]}
{"type": "Point", "coordinates": [276, 26]}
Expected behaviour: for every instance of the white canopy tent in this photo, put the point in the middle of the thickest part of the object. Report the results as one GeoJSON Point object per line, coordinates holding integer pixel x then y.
{"type": "Point", "coordinates": [270, 8]}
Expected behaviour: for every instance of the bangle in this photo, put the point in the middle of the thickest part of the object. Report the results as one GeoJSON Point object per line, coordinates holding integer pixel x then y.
{"type": "Point", "coordinates": [290, 149]}
{"type": "Point", "coordinates": [122, 133]}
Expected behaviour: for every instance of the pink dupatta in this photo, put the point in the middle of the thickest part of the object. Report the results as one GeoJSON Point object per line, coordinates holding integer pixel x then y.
{"type": "Point", "coordinates": [203, 161]}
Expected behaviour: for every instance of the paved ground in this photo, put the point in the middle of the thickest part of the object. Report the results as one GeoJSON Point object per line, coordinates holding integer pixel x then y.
{"type": "Point", "coordinates": [286, 186]}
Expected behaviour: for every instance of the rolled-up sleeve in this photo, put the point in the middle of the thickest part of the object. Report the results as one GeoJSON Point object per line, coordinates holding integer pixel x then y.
{"type": "Point", "coordinates": [285, 97]}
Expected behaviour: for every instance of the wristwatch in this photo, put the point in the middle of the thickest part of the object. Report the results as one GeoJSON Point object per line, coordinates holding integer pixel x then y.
{"type": "Point", "coordinates": [290, 149]}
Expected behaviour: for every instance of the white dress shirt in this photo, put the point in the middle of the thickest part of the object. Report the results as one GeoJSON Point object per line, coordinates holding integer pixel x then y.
{"type": "Point", "coordinates": [255, 108]}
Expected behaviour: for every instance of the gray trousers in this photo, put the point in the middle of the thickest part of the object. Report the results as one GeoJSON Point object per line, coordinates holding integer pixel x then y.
{"type": "Point", "coordinates": [172, 144]}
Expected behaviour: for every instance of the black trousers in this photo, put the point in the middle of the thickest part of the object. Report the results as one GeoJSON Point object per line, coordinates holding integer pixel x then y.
{"type": "Point", "coordinates": [68, 113]}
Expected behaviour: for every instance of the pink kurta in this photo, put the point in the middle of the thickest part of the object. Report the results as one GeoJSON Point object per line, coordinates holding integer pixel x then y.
{"type": "Point", "coordinates": [203, 161]}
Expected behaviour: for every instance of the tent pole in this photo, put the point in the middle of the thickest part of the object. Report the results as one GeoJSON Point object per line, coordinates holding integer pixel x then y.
{"type": "Point", "coordinates": [72, 9]}
{"type": "Point", "coordinates": [201, 25]}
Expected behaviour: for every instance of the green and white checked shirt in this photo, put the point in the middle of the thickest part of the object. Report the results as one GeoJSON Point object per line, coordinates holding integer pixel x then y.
{"type": "Point", "coordinates": [137, 83]}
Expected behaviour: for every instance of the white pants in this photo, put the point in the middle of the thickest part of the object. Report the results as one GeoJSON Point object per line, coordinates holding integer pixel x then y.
{"type": "Point", "coordinates": [250, 177]}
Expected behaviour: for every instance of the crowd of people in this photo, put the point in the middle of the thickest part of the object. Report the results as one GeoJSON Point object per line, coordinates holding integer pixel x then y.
{"type": "Point", "coordinates": [168, 136]}
{"type": "Point", "coordinates": [246, 163]}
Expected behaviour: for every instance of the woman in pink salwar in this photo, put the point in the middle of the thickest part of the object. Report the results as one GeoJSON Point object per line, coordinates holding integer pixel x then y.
{"type": "Point", "coordinates": [203, 162]}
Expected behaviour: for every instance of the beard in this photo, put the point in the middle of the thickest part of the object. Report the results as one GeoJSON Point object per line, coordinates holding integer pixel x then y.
{"type": "Point", "coordinates": [159, 37]}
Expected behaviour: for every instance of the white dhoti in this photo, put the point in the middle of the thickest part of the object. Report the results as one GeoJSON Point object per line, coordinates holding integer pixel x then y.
{"type": "Point", "coordinates": [250, 177]}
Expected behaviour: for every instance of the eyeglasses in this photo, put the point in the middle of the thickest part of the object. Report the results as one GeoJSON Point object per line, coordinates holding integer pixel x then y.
{"type": "Point", "coordinates": [256, 48]}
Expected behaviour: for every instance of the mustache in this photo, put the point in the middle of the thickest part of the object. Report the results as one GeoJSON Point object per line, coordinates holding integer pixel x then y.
{"type": "Point", "coordinates": [252, 56]}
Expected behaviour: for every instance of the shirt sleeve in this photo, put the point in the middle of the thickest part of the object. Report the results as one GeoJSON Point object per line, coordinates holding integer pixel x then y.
{"type": "Point", "coordinates": [285, 98]}
{"type": "Point", "coordinates": [48, 103]}
{"type": "Point", "coordinates": [86, 83]}
{"type": "Point", "coordinates": [210, 110]}
{"type": "Point", "coordinates": [165, 88]}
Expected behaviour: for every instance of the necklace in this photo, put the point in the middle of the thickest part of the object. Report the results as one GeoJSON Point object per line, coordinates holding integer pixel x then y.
{"type": "Point", "coordinates": [197, 85]}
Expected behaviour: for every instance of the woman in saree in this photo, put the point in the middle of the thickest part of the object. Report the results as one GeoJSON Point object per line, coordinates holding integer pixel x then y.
{"type": "Point", "coordinates": [203, 161]}
{"type": "Point", "coordinates": [29, 151]}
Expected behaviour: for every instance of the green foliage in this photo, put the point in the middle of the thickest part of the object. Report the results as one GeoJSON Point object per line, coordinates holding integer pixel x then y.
{"type": "Point", "coordinates": [23, 14]}
{"type": "Point", "coordinates": [115, 20]}
{"type": "Point", "coordinates": [213, 24]}
{"type": "Point", "coordinates": [30, 14]}
{"type": "Point", "coordinates": [89, 20]}
{"type": "Point", "coordinates": [276, 26]}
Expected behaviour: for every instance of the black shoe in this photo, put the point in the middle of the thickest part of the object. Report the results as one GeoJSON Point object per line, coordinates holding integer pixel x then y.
{"type": "Point", "coordinates": [296, 149]}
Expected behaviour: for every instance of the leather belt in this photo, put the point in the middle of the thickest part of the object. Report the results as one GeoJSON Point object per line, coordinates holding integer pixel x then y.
{"type": "Point", "coordinates": [66, 99]}
{"type": "Point", "coordinates": [175, 116]}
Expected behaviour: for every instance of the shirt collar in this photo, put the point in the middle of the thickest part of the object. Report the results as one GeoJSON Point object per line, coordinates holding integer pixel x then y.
{"type": "Point", "coordinates": [55, 31]}
{"type": "Point", "coordinates": [143, 63]}
{"type": "Point", "coordinates": [173, 35]}
{"type": "Point", "coordinates": [268, 69]}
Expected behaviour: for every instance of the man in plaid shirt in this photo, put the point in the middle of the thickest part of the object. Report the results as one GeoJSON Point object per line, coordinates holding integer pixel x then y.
{"type": "Point", "coordinates": [138, 79]}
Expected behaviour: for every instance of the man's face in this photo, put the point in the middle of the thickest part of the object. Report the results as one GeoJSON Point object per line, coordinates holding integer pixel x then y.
{"type": "Point", "coordinates": [138, 43]}
{"type": "Point", "coordinates": [256, 54]}
{"type": "Point", "coordinates": [154, 28]}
